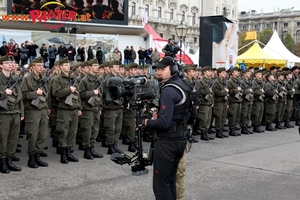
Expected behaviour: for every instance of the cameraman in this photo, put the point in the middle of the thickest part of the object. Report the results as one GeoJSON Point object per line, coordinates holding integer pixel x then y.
{"type": "Point", "coordinates": [170, 123]}
{"type": "Point", "coordinates": [169, 48]}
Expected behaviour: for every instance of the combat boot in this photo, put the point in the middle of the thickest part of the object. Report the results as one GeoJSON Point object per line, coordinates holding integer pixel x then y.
{"type": "Point", "coordinates": [15, 158]}
{"type": "Point", "coordinates": [117, 149]}
{"type": "Point", "coordinates": [80, 147]}
{"type": "Point", "coordinates": [232, 132]}
{"type": "Point", "coordinates": [94, 153]}
{"type": "Point", "coordinates": [288, 125]}
{"type": "Point", "coordinates": [31, 162]}
{"type": "Point", "coordinates": [39, 161]}
{"type": "Point", "coordinates": [63, 156]}
{"type": "Point", "coordinates": [87, 154]}
{"type": "Point", "coordinates": [104, 144]}
{"type": "Point", "coordinates": [297, 122]}
{"type": "Point", "coordinates": [125, 140]}
{"type": "Point", "coordinates": [70, 156]}
{"type": "Point", "coordinates": [3, 166]}
{"type": "Point", "coordinates": [12, 167]}
{"type": "Point", "coordinates": [131, 147]}
{"type": "Point", "coordinates": [219, 134]}
{"type": "Point", "coordinates": [256, 129]}
{"type": "Point", "coordinates": [204, 136]}
{"type": "Point", "coordinates": [244, 131]}
{"type": "Point", "coordinates": [250, 132]}
{"type": "Point", "coordinates": [111, 149]}
{"type": "Point", "coordinates": [59, 150]}
{"type": "Point", "coordinates": [269, 127]}
{"type": "Point", "coordinates": [278, 126]}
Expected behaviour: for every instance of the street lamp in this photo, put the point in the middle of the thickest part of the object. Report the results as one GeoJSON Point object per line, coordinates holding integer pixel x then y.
{"type": "Point", "coordinates": [181, 31]}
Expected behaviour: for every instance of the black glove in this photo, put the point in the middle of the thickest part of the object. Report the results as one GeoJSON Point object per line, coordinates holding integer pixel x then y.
{"type": "Point", "coordinates": [140, 121]}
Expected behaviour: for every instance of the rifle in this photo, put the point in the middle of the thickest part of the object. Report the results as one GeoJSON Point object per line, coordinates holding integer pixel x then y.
{"type": "Point", "coordinates": [262, 96]}
{"type": "Point", "coordinates": [41, 85]}
{"type": "Point", "coordinates": [240, 93]}
{"type": "Point", "coordinates": [11, 85]}
{"type": "Point", "coordinates": [293, 88]}
{"type": "Point", "coordinates": [282, 93]}
{"type": "Point", "coordinates": [97, 86]}
{"type": "Point", "coordinates": [71, 96]}
{"type": "Point", "coordinates": [249, 96]}
{"type": "Point", "coordinates": [225, 87]}
{"type": "Point", "coordinates": [207, 97]}
{"type": "Point", "coordinates": [275, 96]}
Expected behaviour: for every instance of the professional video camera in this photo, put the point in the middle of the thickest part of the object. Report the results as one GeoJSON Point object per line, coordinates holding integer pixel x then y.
{"type": "Point", "coordinates": [136, 88]}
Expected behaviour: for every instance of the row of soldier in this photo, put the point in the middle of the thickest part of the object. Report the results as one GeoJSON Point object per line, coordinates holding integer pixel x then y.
{"type": "Point", "coordinates": [258, 96]}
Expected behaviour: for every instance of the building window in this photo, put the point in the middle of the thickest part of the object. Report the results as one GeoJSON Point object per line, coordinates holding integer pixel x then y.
{"type": "Point", "coordinates": [217, 10]}
{"type": "Point", "coordinates": [195, 39]}
{"type": "Point", "coordinates": [256, 26]}
{"type": "Point", "coordinates": [244, 27]}
{"type": "Point", "coordinates": [269, 25]}
{"type": "Point", "coordinates": [147, 9]}
{"type": "Point", "coordinates": [159, 12]}
{"type": "Point", "coordinates": [298, 36]}
{"type": "Point", "coordinates": [194, 19]}
{"type": "Point", "coordinates": [183, 16]}
{"type": "Point", "coordinates": [133, 8]}
{"type": "Point", "coordinates": [173, 37]}
{"type": "Point", "coordinates": [298, 24]}
{"type": "Point", "coordinates": [285, 24]}
{"type": "Point", "coordinates": [161, 35]}
{"type": "Point", "coordinates": [171, 14]}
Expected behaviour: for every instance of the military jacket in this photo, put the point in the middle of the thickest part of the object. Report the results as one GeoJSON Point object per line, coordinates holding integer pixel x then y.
{"type": "Point", "coordinates": [205, 92]}
{"type": "Point", "coordinates": [15, 101]}
{"type": "Point", "coordinates": [271, 95]}
{"type": "Point", "coordinates": [246, 86]}
{"type": "Point", "coordinates": [61, 90]}
{"type": "Point", "coordinates": [86, 91]}
{"type": "Point", "coordinates": [220, 94]}
{"type": "Point", "coordinates": [29, 87]}
{"type": "Point", "coordinates": [235, 96]}
{"type": "Point", "coordinates": [289, 89]}
{"type": "Point", "coordinates": [282, 91]}
{"type": "Point", "coordinates": [53, 100]}
{"type": "Point", "coordinates": [257, 90]}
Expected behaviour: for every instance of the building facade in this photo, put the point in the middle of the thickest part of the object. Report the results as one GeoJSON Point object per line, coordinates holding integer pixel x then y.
{"type": "Point", "coordinates": [165, 15]}
{"type": "Point", "coordinates": [283, 21]}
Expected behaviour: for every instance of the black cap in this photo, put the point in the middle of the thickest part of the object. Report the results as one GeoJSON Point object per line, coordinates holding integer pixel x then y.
{"type": "Point", "coordinates": [164, 62]}
{"type": "Point", "coordinates": [273, 67]}
{"type": "Point", "coordinates": [294, 68]}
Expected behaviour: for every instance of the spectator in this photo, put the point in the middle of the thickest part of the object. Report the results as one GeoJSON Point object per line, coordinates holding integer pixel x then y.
{"type": "Point", "coordinates": [52, 55]}
{"type": "Point", "coordinates": [117, 55]}
{"type": "Point", "coordinates": [80, 54]}
{"type": "Point", "coordinates": [23, 55]}
{"type": "Point", "coordinates": [44, 53]}
{"type": "Point", "coordinates": [99, 55]}
{"type": "Point", "coordinates": [148, 55]}
{"type": "Point", "coordinates": [71, 54]}
{"type": "Point", "coordinates": [3, 49]}
{"type": "Point", "coordinates": [62, 51]}
{"type": "Point", "coordinates": [32, 51]}
{"type": "Point", "coordinates": [10, 47]}
{"type": "Point", "coordinates": [155, 55]}
{"type": "Point", "coordinates": [90, 53]}
{"type": "Point", "coordinates": [141, 54]}
{"type": "Point", "coordinates": [133, 54]}
{"type": "Point", "coordinates": [127, 55]}
{"type": "Point", "coordinates": [16, 53]}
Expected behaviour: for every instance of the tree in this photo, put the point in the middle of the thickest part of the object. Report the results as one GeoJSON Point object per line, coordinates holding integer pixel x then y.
{"type": "Point", "coordinates": [288, 41]}
{"type": "Point", "coordinates": [242, 43]}
{"type": "Point", "coordinates": [296, 49]}
{"type": "Point", "coordinates": [265, 36]}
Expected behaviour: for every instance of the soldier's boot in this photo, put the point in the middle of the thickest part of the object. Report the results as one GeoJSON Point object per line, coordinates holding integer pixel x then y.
{"type": "Point", "coordinates": [219, 134]}
{"type": "Point", "coordinates": [224, 136]}
{"type": "Point", "coordinates": [104, 144]}
{"type": "Point", "coordinates": [232, 132]}
{"type": "Point", "coordinates": [43, 154]}
{"type": "Point", "coordinates": [111, 149]}
{"type": "Point", "coordinates": [224, 129]}
{"type": "Point", "coordinates": [117, 149]}
{"type": "Point", "coordinates": [12, 167]}
{"type": "Point", "coordinates": [39, 161]}
{"type": "Point", "coordinates": [210, 130]}
{"type": "Point", "coordinates": [54, 143]}
{"type": "Point", "coordinates": [262, 130]}
{"type": "Point", "coordinates": [250, 132]}
{"type": "Point", "coordinates": [80, 147]}
{"type": "Point", "coordinates": [131, 147]}
{"type": "Point", "coordinates": [278, 126]}
{"type": "Point", "coordinates": [269, 127]}
{"type": "Point", "coordinates": [87, 154]}
{"type": "Point", "coordinates": [245, 131]}
{"type": "Point", "coordinates": [95, 153]}
{"type": "Point", "coordinates": [297, 122]}
{"type": "Point", "coordinates": [15, 158]}
{"type": "Point", "coordinates": [288, 125]}
{"type": "Point", "coordinates": [256, 129]}
{"type": "Point", "coordinates": [31, 162]}
{"type": "Point", "coordinates": [125, 140]}
{"type": "Point", "coordinates": [204, 136]}
{"type": "Point", "coordinates": [63, 155]}
{"type": "Point", "coordinates": [3, 166]}
{"type": "Point", "coordinates": [193, 139]}
{"type": "Point", "coordinates": [70, 156]}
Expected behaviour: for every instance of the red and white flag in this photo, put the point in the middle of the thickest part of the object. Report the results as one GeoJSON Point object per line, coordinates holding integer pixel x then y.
{"type": "Point", "coordinates": [145, 19]}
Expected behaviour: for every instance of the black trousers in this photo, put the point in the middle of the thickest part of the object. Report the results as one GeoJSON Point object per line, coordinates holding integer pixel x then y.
{"type": "Point", "coordinates": [167, 155]}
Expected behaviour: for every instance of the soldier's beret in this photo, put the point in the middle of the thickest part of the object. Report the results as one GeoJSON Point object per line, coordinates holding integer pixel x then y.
{"type": "Point", "coordinates": [189, 67]}
{"type": "Point", "coordinates": [294, 68]}
{"type": "Point", "coordinates": [214, 69]}
{"type": "Point", "coordinates": [285, 69]}
{"type": "Point", "coordinates": [258, 71]}
{"type": "Point", "coordinates": [106, 64]}
{"type": "Point", "coordinates": [56, 63]}
{"type": "Point", "coordinates": [198, 69]}
{"type": "Point", "coordinates": [4, 58]}
{"type": "Point", "coordinates": [65, 60]}
{"type": "Point", "coordinates": [147, 66]}
{"type": "Point", "coordinates": [246, 70]}
{"type": "Point", "coordinates": [84, 64]}
{"type": "Point", "coordinates": [221, 69]}
{"type": "Point", "coordinates": [268, 75]}
{"type": "Point", "coordinates": [132, 65]}
{"type": "Point", "coordinates": [206, 68]}
{"type": "Point", "coordinates": [122, 66]}
{"type": "Point", "coordinates": [92, 61]}
{"type": "Point", "coordinates": [114, 62]}
{"type": "Point", "coordinates": [38, 60]}
{"type": "Point", "coordinates": [234, 69]}
{"type": "Point", "coordinates": [101, 66]}
{"type": "Point", "coordinates": [273, 67]}
{"type": "Point", "coordinates": [280, 73]}
{"type": "Point", "coordinates": [140, 67]}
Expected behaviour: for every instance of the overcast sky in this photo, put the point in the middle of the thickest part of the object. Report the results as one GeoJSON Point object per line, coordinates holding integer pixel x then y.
{"type": "Point", "coordinates": [246, 5]}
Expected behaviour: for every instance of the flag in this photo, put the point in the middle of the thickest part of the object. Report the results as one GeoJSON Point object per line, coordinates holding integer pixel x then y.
{"type": "Point", "coordinates": [145, 18]}
{"type": "Point", "coordinates": [250, 35]}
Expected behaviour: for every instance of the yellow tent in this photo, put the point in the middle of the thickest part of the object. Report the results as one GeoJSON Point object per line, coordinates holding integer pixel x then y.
{"type": "Point", "coordinates": [256, 55]}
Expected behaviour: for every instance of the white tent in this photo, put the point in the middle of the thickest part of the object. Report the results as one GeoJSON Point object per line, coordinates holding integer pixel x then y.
{"type": "Point", "coordinates": [276, 48]}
